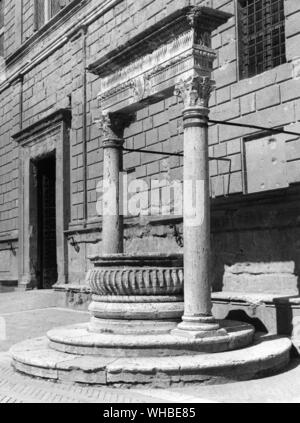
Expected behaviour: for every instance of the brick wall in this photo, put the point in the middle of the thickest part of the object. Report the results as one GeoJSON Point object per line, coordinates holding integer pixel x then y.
{"type": "Point", "coordinates": [269, 99]}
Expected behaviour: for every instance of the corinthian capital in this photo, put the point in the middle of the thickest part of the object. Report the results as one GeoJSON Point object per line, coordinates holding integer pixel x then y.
{"type": "Point", "coordinates": [112, 125]}
{"type": "Point", "coordinates": [195, 91]}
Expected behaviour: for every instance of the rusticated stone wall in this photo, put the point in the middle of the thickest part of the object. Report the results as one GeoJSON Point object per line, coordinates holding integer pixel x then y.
{"type": "Point", "coordinates": [55, 79]}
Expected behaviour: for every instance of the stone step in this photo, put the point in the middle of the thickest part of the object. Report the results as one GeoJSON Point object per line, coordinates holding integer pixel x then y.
{"type": "Point", "coordinates": [79, 340]}
{"type": "Point", "coordinates": [268, 355]}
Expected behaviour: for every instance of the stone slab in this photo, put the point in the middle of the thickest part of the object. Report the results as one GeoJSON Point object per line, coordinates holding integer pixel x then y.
{"type": "Point", "coordinates": [276, 314]}
{"type": "Point", "coordinates": [262, 268]}
{"type": "Point", "coordinates": [254, 298]}
{"type": "Point", "coordinates": [271, 283]}
{"type": "Point", "coordinates": [268, 355]}
{"type": "Point", "coordinates": [78, 339]}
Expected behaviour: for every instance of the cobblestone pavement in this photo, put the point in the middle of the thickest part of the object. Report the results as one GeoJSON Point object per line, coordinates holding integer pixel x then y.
{"type": "Point", "coordinates": [24, 319]}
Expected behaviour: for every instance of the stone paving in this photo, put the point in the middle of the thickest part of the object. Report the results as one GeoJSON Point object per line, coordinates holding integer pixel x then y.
{"type": "Point", "coordinates": [25, 319]}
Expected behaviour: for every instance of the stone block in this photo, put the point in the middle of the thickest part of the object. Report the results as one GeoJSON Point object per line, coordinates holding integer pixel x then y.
{"type": "Point", "coordinates": [272, 278]}
{"type": "Point", "coordinates": [268, 97]}
{"type": "Point", "coordinates": [290, 7]}
{"type": "Point", "coordinates": [293, 171]}
{"type": "Point", "coordinates": [226, 111]}
{"type": "Point", "coordinates": [248, 104]}
{"type": "Point", "coordinates": [290, 90]}
{"type": "Point", "coordinates": [293, 150]}
{"type": "Point", "coordinates": [226, 74]}
{"type": "Point", "coordinates": [261, 268]}
{"type": "Point", "coordinates": [292, 47]}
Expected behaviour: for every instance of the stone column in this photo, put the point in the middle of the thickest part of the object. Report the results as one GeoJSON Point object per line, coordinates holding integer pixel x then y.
{"type": "Point", "coordinates": [112, 126]}
{"type": "Point", "coordinates": [197, 320]}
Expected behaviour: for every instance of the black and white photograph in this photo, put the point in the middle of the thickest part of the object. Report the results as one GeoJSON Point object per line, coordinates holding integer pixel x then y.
{"type": "Point", "coordinates": [149, 205]}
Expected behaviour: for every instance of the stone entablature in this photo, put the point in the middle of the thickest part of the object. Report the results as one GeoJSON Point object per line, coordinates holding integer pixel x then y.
{"type": "Point", "coordinates": [146, 69]}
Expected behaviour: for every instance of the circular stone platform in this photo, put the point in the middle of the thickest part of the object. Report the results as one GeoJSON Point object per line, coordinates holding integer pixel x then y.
{"type": "Point", "coordinates": [78, 340]}
{"type": "Point", "coordinates": [268, 355]}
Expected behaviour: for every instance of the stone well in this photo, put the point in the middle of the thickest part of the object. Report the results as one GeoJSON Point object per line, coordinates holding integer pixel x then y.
{"type": "Point", "coordinates": [143, 329]}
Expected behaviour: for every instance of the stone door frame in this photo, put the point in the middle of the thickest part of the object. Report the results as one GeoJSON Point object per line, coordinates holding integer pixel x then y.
{"type": "Point", "coordinates": [49, 135]}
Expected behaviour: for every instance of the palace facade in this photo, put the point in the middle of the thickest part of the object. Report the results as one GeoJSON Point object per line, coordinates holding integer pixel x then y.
{"type": "Point", "coordinates": [51, 155]}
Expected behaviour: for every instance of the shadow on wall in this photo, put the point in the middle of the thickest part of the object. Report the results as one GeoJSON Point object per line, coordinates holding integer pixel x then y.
{"type": "Point", "coordinates": [280, 319]}
{"type": "Point", "coordinates": [242, 316]}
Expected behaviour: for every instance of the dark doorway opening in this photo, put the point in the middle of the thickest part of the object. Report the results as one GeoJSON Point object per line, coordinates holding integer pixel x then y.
{"type": "Point", "coordinates": [46, 216]}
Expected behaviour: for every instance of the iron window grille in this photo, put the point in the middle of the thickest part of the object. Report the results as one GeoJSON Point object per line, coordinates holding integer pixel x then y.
{"type": "Point", "coordinates": [261, 35]}
{"type": "Point", "coordinates": [45, 10]}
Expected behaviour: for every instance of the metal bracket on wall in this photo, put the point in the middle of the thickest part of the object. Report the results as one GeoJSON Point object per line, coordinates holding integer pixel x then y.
{"type": "Point", "coordinates": [74, 244]}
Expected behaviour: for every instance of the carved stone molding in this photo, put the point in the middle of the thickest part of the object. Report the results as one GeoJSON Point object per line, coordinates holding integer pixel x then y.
{"type": "Point", "coordinates": [136, 281]}
{"type": "Point", "coordinates": [147, 68]}
{"type": "Point", "coordinates": [195, 91]}
{"type": "Point", "coordinates": [49, 135]}
{"type": "Point", "coordinates": [133, 275]}
{"type": "Point", "coordinates": [141, 87]}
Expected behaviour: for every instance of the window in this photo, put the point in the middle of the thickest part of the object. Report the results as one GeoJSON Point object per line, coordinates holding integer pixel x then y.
{"type": "Point", "coordinates": [262, 36]}
{"type": "Point", "coordinates": [46, 9]}
{"type": "Point", "coordinates": [1, 28]}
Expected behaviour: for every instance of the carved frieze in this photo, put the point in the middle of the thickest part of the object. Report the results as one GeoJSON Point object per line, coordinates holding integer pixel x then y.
{"type": "Point", "coordinates": [149, 66]}
{"type": "Point", "coordinates": [141, 87]}
{"type": "Point", "coordinates": [136, 281]}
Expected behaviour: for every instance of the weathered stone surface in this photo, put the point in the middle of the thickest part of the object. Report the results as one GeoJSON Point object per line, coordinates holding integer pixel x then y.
{"type": "Point", "coordinates": [133, 274]}
{"type": "Point", "coordinates": [275, 314]}
{"type": "Point", "coordinates": [79, 340]}
{"type": "Point", "coordinates": [266, 356]}
{"type": "Point", "coordinates": [135, 315]}
{"type": "Point", "coordinates": [64, 60]}
{"type": "Point", "coordinates": [261, 268]}
{"type": "Point", "coordinates": [280, 283]}
{"type": "Point", "coordinates": [136, 281]}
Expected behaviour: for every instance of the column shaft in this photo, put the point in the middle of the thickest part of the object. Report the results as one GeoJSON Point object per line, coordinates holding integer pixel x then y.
{"type": "Point", "coordinates": [198, 320]}
{"type": "Point", "coordinates": [112, 127]}
{"type": "Point", "coordinates": [196, 216]}
{"type": "Point", "coordinates": [112, 233]}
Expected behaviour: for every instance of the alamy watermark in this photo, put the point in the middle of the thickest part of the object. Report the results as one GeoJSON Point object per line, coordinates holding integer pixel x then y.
{"type": "Point", "coordinates": [152, 197]}
{"type": "Point", "coordinates": [2, 329]}
{"type": "Point", "coordinates": [3, 75]}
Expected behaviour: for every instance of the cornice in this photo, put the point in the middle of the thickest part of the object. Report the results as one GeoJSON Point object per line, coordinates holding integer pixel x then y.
{"type": "Point", "coordinates": [58, 20]}
{"type": "Point", "coordinates": [162, 32]}
{"type": "Point", "coordinates": [57, 117]}
{"type": "Point", "coordinates": [69, 31]}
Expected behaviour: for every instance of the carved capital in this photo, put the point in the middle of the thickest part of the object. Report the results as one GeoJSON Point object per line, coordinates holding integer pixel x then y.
{"type": "Point", "coordinates": [112, 125]}
{"type": "Point", "coordinates": [195, 91]}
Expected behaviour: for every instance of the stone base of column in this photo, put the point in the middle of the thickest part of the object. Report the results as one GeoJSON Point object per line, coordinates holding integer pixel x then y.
{"type": "Point", "coordinates": [267, 356]}
{"type": "Point", "coordinates": [197, 328]}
